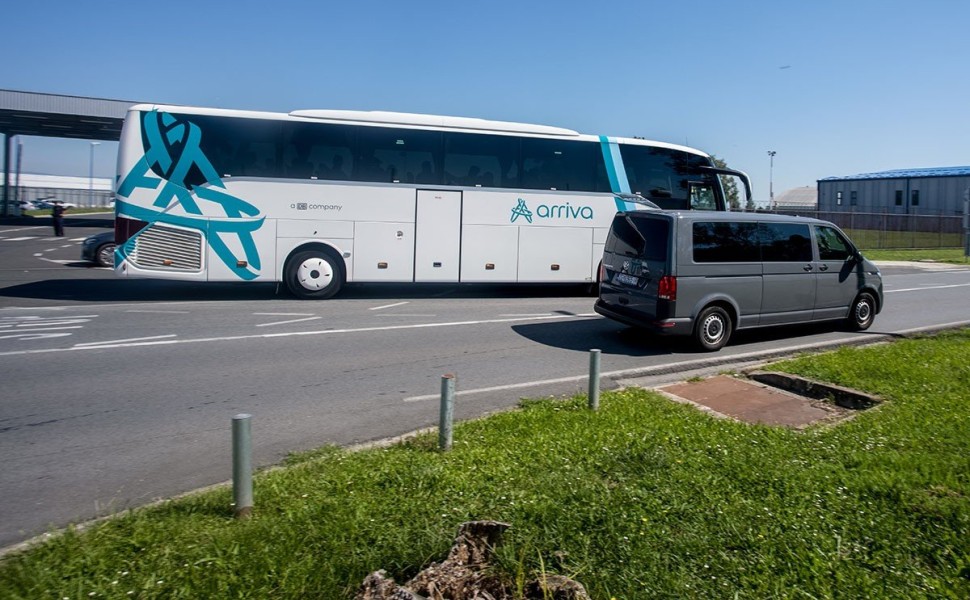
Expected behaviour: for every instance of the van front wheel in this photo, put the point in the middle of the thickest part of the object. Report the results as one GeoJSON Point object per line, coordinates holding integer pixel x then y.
{"type": "Point", "coordinates": [713, 328]}
{"type": "Point", "coordinates": [863, 312]}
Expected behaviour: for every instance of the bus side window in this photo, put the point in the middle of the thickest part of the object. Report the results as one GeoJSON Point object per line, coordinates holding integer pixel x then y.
{"type": "Point", "coordinates": [702, 197]}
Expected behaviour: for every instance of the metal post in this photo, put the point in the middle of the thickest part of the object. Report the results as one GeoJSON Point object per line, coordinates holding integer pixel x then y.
{"type": "Point", "coordinates": [771, 179]}
{"type": "Point", "coordinates": [594, 379]}
{"type": "Point", "coordinates": [447, 412]}
{"type": "Point", "coordinates": [91, 175]}
{"type": "Point", "coordinates": [242, 465]}
{"type": "Point", "coordinates": [5, 209]}
{"type": "Point", "coordinates": [966, 224]}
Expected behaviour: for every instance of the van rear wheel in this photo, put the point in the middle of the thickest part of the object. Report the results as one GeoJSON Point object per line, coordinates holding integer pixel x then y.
{"type": "Point", "coordinates": [863, 312]}
{"type": "Point", "coordinates": [712, 329]}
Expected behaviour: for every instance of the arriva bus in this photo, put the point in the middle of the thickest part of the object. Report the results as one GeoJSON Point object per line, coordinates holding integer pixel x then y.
{"type": "Point", "coordinates": [319, 198]}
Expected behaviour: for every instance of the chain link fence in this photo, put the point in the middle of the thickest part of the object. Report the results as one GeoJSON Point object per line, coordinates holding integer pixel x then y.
{"type": "Point", "coordinates": [876, 231]}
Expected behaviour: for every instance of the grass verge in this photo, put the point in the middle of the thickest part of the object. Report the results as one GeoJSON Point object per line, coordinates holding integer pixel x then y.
{"type": "Point", "coordinates": [642, 499]}
{"type": "Point", "coordinates": [949, 255]}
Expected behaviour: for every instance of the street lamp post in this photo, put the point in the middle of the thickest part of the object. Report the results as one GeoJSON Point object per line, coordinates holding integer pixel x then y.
{"type": "Point", "coordinates": [91, 174]}
{"type": "Point", "coordinates": [771, 178]}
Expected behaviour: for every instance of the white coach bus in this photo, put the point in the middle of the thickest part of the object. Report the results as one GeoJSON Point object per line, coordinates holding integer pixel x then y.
{"type": "Point", "coordinates": [318, 198]}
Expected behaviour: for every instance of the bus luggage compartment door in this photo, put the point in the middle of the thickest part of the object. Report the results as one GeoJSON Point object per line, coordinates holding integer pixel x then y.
{"type": "Point", "coordinates": [437, 236]}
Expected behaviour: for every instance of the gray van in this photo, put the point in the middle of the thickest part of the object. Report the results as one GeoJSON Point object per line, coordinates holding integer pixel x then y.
{"type": "Point", "coordinates": [707, 274]}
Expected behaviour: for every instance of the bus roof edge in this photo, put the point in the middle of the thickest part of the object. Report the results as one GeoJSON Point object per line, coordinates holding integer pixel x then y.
{"type": "Point", "coordinates": [398, 118]}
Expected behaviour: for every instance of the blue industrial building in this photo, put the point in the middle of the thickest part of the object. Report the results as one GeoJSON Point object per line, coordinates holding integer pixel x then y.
{"type": "Point", "coordinates": [927, 192]}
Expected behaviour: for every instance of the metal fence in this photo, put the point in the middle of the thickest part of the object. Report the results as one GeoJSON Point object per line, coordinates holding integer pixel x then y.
{"type": "Point", "coordinates": [84, 198]}
{"type": "Point", "coordinates": [889, 230]}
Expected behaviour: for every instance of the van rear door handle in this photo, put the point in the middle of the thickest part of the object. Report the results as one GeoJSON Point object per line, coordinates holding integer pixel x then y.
{"type": "Point", "coordinates": [807, 268]}
{"type": "Point", "coordinates": [823, 267]}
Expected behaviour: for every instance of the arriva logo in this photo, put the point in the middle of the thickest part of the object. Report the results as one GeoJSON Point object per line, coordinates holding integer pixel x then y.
{"type": "Point", "coordinates": [544, 211]}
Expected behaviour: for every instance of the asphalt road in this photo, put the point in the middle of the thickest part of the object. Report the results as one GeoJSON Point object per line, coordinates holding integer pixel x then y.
{"type": "Point", "coordinates": [118, 392]}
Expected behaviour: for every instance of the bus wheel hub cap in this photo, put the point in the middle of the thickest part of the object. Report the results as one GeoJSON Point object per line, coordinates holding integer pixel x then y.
{"type": "Point", "coordinates": [315, 274]}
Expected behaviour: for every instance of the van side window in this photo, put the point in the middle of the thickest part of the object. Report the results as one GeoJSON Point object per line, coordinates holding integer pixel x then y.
{"type": "Point", "coordinates": [785, 242]}
{"type": "Point", "coordinates": [718, 242]}
{"type": "Point", "coordinates": [831, 245]}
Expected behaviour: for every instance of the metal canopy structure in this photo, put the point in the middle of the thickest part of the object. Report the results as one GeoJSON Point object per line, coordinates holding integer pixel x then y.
{"type": "Point", "coordinates": [51, 115]}
{"type": "Point", "coordinates": [54, 115]}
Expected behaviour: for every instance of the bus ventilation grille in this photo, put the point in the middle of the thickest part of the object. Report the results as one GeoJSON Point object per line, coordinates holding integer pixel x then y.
{"type": "Point", "coordinates": [168, 249]}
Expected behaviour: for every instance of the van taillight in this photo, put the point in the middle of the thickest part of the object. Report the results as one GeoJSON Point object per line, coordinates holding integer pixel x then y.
{"type": "Point", "coordinates": [668, 288]}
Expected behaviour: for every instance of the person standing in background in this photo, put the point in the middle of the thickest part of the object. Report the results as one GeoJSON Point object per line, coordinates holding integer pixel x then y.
{"type": "Point", "coordinates": [57, 213]}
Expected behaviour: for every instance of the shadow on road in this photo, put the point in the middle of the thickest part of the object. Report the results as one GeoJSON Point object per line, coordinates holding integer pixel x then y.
{"type": "Point", "coordinates": [113, 289]}
{"type": "Point", "coordinates": [614, 338]}
{"type": "Point", "coordinates": [608, 336]}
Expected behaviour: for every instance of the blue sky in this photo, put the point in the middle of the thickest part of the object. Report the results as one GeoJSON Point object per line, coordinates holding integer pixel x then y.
{"type": "Point", "coordinates": [835, 88]}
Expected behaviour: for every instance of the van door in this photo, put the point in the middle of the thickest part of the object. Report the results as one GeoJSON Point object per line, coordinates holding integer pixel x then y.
{"type": "Point", "coordinates": [788, 292]}
{"type": "Point", "coordinates": [839, 275]}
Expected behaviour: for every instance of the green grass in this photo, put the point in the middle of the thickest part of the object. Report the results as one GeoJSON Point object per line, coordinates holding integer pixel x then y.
{"type": "Point", "coordinates": [948, 255]}
{"type": "Point", "coordinates": [642, 499]}
{"type": "Point", "coordinates": [46, 212]}
{"type": "Point", "coordinates": [873, 238]}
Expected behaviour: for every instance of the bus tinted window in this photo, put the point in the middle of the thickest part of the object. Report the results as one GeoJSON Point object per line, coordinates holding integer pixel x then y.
{"type": "Point", "coordinates": [318, 150]}
{"type": "Point", "coordinates": [719, 242]}
{"type": "Point", "coordinates": [785, 242]}
{"type": "Point", "coordinates": [563, 165]}
{"type": "Point", "coordinates": [662, 175]}
{"type": "Point", "coordinates": [481, 160]}
{"type": "Point", "coordinates": [239, 147]}
{"type": "Point", "coordinates": [234, 147]}
{"type": "Point", "coordinates": [398, 155]}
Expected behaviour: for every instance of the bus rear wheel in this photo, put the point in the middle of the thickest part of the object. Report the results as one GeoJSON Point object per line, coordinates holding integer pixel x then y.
{"type": "Point", "coordinates": [313, 274]}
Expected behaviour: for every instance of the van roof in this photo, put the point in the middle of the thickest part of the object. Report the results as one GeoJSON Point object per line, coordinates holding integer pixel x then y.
{"type": "Point", "coordinates": [712, 215]}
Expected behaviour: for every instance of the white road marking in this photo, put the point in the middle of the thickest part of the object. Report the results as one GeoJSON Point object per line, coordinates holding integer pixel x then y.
{"type": "Point", "coordinates": [31, 321]}
{"type": "Point", "coordinates": [284, 314]}
{"type": "Point", "coordinates": [932, 287]}
{"type": "Point", "coordinates": [388, 306]}
{"type": "Point", "coordinates": [287, 322]}
{"type": "Point", "coordinates": [58, 261]}
{"type": "Point", "coordinates": [141, 339]}
{"type": "Point", "coordinates": [36, 329]}
{"type": "Point", "coordinates": [406, 315]}
{"type": "Point", "coordinates": [164, 312]}
{"type": "Point", "coordinates": [27, 336]}
{"type": "Point", "coordinates": [38, 254]}
{"type": "Point", "coordinates": [78, 239]}
{"type": "Point", "coordinates": [22, 229]}
{"type": "Point", "coordinates": [50, 249]}
{"type": "Point", "coordinates": [20, 239]}
{"type": "Point", "coordinates": [234, 338]}
{"type": "Point", "coordinates": [526, 315]}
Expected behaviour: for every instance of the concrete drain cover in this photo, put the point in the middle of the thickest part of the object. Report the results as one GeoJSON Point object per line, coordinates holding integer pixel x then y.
{"type": "Point", "coordinates": [766, 399]}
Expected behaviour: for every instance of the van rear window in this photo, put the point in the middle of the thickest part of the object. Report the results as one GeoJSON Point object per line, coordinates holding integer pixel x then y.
{"type": "Point", "coordinates": [633, 235]}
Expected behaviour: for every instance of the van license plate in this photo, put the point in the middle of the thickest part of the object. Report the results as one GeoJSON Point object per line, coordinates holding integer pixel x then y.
{"type": "Point", "coordinates": [626, 279]}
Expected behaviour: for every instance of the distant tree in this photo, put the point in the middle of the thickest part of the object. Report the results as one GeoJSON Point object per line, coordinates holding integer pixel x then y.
{"type": "Point", "coordinates": [730, 186]}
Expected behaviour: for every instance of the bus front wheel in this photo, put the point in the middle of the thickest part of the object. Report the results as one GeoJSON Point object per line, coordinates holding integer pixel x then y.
{"type": "Point", "coordinates": [313, 274]}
